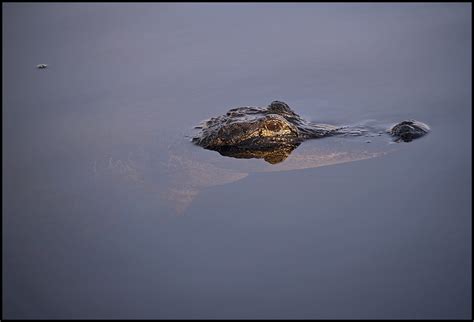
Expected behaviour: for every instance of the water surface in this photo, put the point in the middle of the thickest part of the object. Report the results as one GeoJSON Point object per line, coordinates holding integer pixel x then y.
{"type": "Point", "coordinates": [386, 237]}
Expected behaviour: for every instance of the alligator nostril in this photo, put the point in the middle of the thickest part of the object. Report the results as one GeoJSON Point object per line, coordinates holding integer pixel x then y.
{"type": "Point", "coordinates": [407, 137]}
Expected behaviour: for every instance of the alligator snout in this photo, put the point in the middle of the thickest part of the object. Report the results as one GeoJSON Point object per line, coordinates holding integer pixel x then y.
{"type": "Point", "coordinates": [409, 130]}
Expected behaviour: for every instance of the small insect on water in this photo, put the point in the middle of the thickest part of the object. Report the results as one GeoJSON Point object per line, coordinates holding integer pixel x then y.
{"type": "Point", "coordinates": [41, 66]}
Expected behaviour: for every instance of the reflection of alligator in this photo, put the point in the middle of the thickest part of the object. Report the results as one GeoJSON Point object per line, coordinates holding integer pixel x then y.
{"type": "Point", "coordinates": [273, 132]}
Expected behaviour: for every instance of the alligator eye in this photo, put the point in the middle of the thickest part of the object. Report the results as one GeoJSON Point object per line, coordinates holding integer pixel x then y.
{"type": "Point", "coordinates": [272, 126]}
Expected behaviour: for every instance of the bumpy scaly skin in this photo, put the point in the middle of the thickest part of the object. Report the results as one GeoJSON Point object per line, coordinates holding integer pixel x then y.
{"type": "Point", "coordinates": [274, 131]}
{"type": "Point", "coordinates": [258, 128]}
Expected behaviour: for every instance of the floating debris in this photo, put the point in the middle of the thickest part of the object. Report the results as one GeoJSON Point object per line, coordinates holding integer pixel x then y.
{"type": "Point", "coordinates": [41, 66]}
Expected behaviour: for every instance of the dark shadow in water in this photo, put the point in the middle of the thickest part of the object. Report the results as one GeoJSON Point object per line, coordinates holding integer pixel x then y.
{"type": "Point", "coordinates": [273, 155]}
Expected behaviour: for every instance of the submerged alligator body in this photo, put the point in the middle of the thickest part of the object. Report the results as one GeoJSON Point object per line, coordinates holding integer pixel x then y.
{"type": "Point", "coordinates": [176, 171]}
{"type": "Point", "coordinates": [273, 132]}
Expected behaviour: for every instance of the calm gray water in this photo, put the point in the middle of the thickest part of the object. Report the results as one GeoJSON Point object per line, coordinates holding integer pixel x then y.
{"type": "Point", "coordinates": [388, 237]}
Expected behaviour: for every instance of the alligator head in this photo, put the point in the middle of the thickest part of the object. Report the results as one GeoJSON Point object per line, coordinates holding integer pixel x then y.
{"type": "Point", "coordinates": [272, 132]}
{"type": "Point", "coordinates": [254, 132]}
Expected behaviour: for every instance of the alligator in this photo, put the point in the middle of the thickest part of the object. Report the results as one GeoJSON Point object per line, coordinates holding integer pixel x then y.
{"type": "Point", "coordinates": [255, 132]}
{"type": "Point", "coordinates": [176, 171]}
